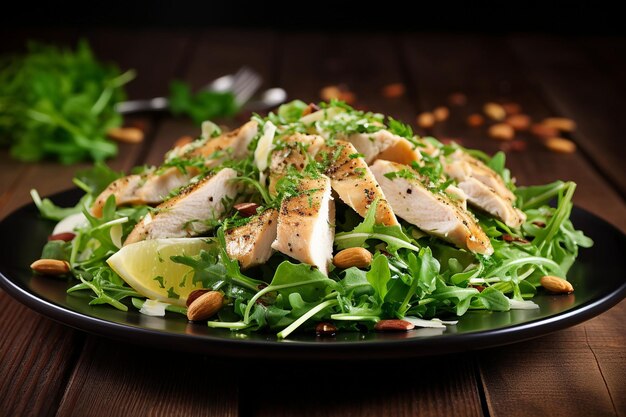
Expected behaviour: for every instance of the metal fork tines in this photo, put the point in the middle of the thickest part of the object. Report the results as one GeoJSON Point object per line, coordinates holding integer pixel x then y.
{"type": "Point", "coordinates": [243, 84]}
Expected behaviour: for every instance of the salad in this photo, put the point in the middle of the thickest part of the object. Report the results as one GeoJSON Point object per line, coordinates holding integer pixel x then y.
{"type": "Point", "coordinates": [314, 217]}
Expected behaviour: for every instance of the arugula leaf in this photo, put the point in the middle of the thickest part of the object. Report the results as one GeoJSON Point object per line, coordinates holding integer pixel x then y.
{"type": "Point", "coordinates": [379, 275]}
{"type": "Point", "coordinates": [393, 236]}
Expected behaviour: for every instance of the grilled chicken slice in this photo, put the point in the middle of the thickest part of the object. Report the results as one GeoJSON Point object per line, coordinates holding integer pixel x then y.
{"type": "Point", "coordinates": [353, 181]}
{"type": "Point", "coordinates": [485, 189]}
{"type": "Point", "coordinates": [153, 188]}
{"type": "Point", "coordinates": [230, 145]}
{"type": "Point", "coordinates": [350, 176]}
{"type": "Point", "coordinates": [251, 244]}
{"type": "Point", "coordinates": [481, 196]}
{"type": "Point", "coordinates": [384, 145]}
{"type": "Point", "coordinates": [190, 212]}
{"type": "Point", "coordinates": [434, 213]}
{"type": "Point", "coordinates": [306, 224]}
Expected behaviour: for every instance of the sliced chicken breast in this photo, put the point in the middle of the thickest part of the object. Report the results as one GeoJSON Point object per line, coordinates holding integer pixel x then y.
{"type": "Point", "coordinates": [234, 144]}
{"type": "Point", "coordinates": [251, 244]}
{"type": "Point", "coordinates": [434, 213]}
{"type": "Point", "coordinates": [190, 212]}
{"type": "Point", "coordinates": [350, 176]}
{"type": "Point", "coordinates": [384, 145]}
{"type": "Point", "coordinates": [353, 181]}
{"type": "Point", "coordinates": [153, 188]}
{"type": "Point", "coordinates": [306, 224]}
{"type": "Point", "coordinates": [485, 189]}
{"type": "Point", "coordinates": [481, 196]}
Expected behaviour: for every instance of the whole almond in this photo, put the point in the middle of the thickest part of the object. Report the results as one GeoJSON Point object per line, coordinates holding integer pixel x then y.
{"type": "Point", "coordinates": [125, 134]}
{"type": "Point", "coordinates": [330, 92]}
{"type": "Point", "coordinates": [325, 329]}
{"type": "Point", "coordinates": [457, 99]}
{"type": "Point", "coordinates": [350, 257]}
{"type": "Point", "coordinates": [501, 131]}
{"type": "Point", "coordinates": [441, 113]}
{"type": "Point", "coordinates": [193, 296]}
{"type": "Point", "coordinates": [560, 123]}
{"type": "Point", "coordinates": [495, 111]}
{"type": "Point", "coordinates": [560, 145]}
{"type": "Point", "coordinates": [543, 131]}
{"type": "Point", "coordinates": [556, 285]}
{"type": "Point", "coordinates": [53, 267]}
{"type": "Point", "coordinates": [518, 121]}
{"type": "Point", "coordinates": [475, 120]}
{"type": "Point", "coordinates": [394, 90]}
{"type": "Point", "coordinates": [205, 306]}
{"type": "Point", "coordinates": [246, 209]}
{"type": "Point", "coordinates": [65, 236]}
{"type": "Point", "coordinates": [426, 120]}
{"type": "Point", "coordinates": [393, 326]}
{"type": "Point", "coordinates": [512, 108]}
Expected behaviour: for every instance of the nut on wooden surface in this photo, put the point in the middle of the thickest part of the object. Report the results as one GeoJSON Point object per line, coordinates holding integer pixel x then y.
{"type": "Point", "coordinates": [426, 120]}
{"type": "Point", "coordinates": [560, 123]}
{"type": "Point", "coordinates": [560, 145]}
{"type": "Point", "coordinates": [556, 285]}
{"type": "Point", "coordinates": [494, 111]}
{"type": "Point", "coordinates": [475, 120]}
{"type": "Point", "coordinates": [205, 306]}
{"type": "Point", "coordinates": [52, 267]}
{"type": "Point", "coordinates": [518, 121]}
{"type": "Point", "coordinates": [501, 131]}
{"type": "Point", "coordinates": [126, 134]}
{"type": "Point", "coordinates": [350, 257]}
{"type": "Point", "coordinates": [441, 113]}
{"type": "Point", "coordinates": [394, 326]}
{"type": "Point", "coordinates": [394, 90]}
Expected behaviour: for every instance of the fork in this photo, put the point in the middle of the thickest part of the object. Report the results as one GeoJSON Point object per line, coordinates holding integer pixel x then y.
{"type": "Point", "coordinates": [243, 84]}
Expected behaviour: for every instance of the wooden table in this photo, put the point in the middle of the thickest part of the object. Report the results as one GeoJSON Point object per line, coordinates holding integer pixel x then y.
{"type": "Point", "coordinates": [49, 369]}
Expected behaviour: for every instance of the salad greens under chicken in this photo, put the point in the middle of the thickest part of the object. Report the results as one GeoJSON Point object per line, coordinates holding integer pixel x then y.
{"type": "Point", "coordinates": [315, 213]}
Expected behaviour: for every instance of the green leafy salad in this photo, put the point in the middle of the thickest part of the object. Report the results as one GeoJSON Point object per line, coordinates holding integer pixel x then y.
{"type": "Point", "coordinates": [315, 214]}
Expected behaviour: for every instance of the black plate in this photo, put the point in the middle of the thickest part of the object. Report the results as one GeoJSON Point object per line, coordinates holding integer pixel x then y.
{"type": "Point", "coordinates": [597, 277]}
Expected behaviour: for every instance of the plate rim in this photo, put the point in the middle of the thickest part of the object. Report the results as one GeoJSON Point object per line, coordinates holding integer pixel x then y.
{"type": "Point", "coordinates": [352, 350]}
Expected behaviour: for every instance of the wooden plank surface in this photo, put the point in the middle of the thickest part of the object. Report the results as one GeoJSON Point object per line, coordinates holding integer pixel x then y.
{"type": "Point", "coordinates": [584, 92]}
{"type": "Point", "coordinates": [116, 379]}
{"type": "Point", "coordinates": [46, 348]}
{"type": "Point", "coordinates": [485, 70]}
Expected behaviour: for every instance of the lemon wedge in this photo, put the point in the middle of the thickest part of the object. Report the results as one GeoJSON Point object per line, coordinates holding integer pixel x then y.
{"type": "Point", "coordinates": [146, 266]}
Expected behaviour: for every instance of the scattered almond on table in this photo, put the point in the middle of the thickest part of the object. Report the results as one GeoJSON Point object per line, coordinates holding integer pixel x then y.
{"type": "Point", "coordinates": [426, 120]}
{"type": "Point", "coordinates": [126, 134]}
{"type": "Point", "coordinates": [560, 145]}
{"type": "Point", "coordinates": [501, 131]}
{"type": "Point", "coordinates": [441, 113]}
{"type": "Point", "coordinates": [394, 90]}
{"type": "Point", "coordinates": [475, 120]}
{"type": "Point", "coordinates": [457, 99]}
{"type": "Point", "coordinates": [340, 92]}
{"type": "Point", "coordinates": [494, 111]}
{"type": "Point", "coordinates": [543, 131]}
{"type": "Point", "coordinates": [512, 108]}
{"type": "Point", "coordinates": [560, 123]}
{"type": "Point", "coordinates": [518, 121]}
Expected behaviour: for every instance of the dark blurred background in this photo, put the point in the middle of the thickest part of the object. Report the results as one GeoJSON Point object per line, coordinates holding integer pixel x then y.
{"type": "Point", "coordinates": [563, 17]}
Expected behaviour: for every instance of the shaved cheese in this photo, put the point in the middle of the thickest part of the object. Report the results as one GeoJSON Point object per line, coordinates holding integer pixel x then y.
{"type": "Point", "coordinates": [153, 308]}
{"type": "Point", "coordinates": [523, 305]}
{"type": "Point", "coordinates": [70, 224]}
{"type": "Point", "coordinates": [116, 235]}
{"type": "Point", "coordinates": [435, 324]}
{"type": "Point", "coordinates": [264, 148]}
{"type": "Point", "coordinates": [324, 114]}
